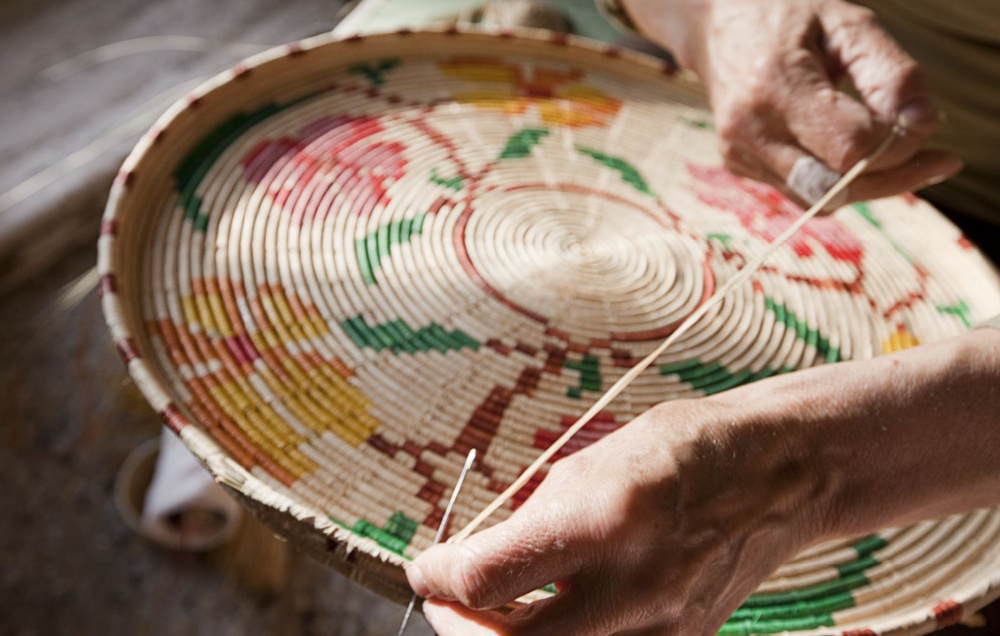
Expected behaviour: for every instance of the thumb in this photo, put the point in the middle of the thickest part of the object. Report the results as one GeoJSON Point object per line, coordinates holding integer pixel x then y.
{"type": "Point", "coordinates": [496, 566]}
{"type": "Point", "coordinates": [889, 81]}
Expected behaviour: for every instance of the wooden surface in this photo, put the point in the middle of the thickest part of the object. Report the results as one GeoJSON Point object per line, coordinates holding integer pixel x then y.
{"type": "Point", "coordinates": [69, 414]}
{"type": "Point", "coordinates": [78, 125]}
{"type": "Point", "coordinates": [69, 565]}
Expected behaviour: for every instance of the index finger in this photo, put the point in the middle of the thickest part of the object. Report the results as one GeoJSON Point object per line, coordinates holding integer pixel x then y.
{"type": "Point", "coordinates": [496, 566]}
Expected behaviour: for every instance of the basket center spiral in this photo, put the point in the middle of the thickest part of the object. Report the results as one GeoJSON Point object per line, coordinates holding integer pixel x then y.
{"type": "Point", "coordinates": [588, 263]}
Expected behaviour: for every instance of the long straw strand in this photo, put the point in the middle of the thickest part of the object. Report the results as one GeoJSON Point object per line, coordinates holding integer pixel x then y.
{"type": "Point", "coordinates": [149, 44]}
{"type": "Point", "coordinates": [741, 276]}
{"type": "Point", "coordinates": [441, 529]}
{"type": "Point", "coordinates": [135, 124]}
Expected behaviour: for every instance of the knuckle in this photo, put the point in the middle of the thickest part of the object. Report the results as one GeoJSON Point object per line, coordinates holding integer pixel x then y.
{"type": "Point", "coordinates": [863, 17]}
{"type": "Point", "coordinates": [853, 17]}
{"type": "Point", "coordinates": [731, 125]}
{"type": "Point", "coordinates": [759, 98]}
{"type": "Point", "coordinates": [851, 147]}
{"type": "Point", "coordinates": [732, 158]}
{"type": "Point", "coordinates": [473, 585]}
{"type": "Point", "coordinates": [793, 58]}
{"type": "Point", "coordinates": [745, 162]}
{"type": "Point", "coordinates": [909, 73]}
{"type": "Point", "coordinates": [764, 85]}
{"type": "Point", "coordinates": [560, 470]}
{"type": "Point", "coordinates": [561, 475]}
{"type": "Point", "coordinates": [741, 170]}
{"type": "Point", "coordinates": [748, 110]}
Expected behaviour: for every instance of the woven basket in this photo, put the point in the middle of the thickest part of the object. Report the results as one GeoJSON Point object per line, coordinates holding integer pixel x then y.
{"type": "Point", "coordinates": [339, 266]}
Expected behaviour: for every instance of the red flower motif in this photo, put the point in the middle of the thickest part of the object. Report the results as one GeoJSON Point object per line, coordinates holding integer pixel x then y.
{"type": "Point", "coordinates": [767, 213]}
{"type": "Point", "coordinates": [361, 172]}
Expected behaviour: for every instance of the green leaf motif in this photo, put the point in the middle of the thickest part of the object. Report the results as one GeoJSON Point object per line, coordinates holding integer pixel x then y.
{"type": "Point", "coordinates": [628, 172]}
{"type": "Point", "coordinates": [196, 164]}
{"type": "Point", "coordinates": [399, 337]}
{"type": "Point", "coordinates": [721, 237]}
{"type": "Point", "coordinates": [377, 245]}
{"type": "Point", "coordinates": [703, 124]}
{"type": "Point", "coordinates": [960, 309]}
{"type": "Point", "coordinates": [713, 377]}
{"type": "Point", "coordinates": [802, 331]}
{"type": "Point", "coordinates": [590, 375]}
{"type": "Point", "coordinates": [519, 144]}
{"type": "Point", "coordinates": [455, 183]}
{"type": "Point", "coordinates": [865, 211]}
{"type": "Point", "coordinates": [376, 71]}
{"type": "Point", "coordinates": [867, 214]}
{"type": "Point", "coordinates": [395, 536]}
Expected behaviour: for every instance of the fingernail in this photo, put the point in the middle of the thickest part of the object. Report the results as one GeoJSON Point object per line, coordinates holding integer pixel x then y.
{"type": "Point", "coordinates": [946, 174]}
{"type": "Point", "coordinates": [438, 617]}
{"type": "Point", "coordinates": [810, 178]}
{"type": "Point", "coordinates": [432, 614]}
{"type": "Point", "coordinates": [417, 581]}
{"type": "Point", "coordinates": [917, 115]}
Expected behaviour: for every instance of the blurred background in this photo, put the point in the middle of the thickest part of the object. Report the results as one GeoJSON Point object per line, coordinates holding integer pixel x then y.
{"type": "Point", "coordinates": [82, 80]}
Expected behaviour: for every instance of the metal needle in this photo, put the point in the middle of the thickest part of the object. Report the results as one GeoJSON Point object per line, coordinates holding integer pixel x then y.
{"type": "Point", "coordinates": [440, 532]}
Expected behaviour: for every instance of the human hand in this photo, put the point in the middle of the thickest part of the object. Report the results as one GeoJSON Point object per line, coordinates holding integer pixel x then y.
{"type": "Point", "coordinates": [772, 69]}
{"type": "Point", "coordinates": [663, 527]}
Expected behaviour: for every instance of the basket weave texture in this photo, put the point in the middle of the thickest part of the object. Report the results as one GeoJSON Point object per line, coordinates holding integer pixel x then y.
{"type": "Point", "coordinates": [338, 267]}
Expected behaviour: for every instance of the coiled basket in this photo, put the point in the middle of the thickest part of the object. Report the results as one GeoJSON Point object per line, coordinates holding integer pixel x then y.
{"type": "Point", "coordinates": [339, 266]}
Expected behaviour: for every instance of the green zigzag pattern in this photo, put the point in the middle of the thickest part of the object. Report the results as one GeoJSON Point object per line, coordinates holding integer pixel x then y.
{"type": "Point", "coordinates": [395, 536]}
{"type": "Point", "coordinates": [455, 183]}
{"type": "Point", "coordinates": [810, 607]}
{"type": "Point", "coordinates": [377, 245]}
{"type": "Point", "coordinates": [802, 330]}
{"type": "Point", "coordinates": [590, 375]}
{"type": "Point", "coordinates": [376, 70]}
{"type": "Point", "coordinates": [628, 172]}
{"type": "Point", "coordinates": [715, 378]}
{"type": "Point", "coordinates": [196, 164]}
{"type": "Point", "coordinates": [399, 337]}
{"type": "Point", "coordinates": [867, 214]}
{"type": "Point", "coordinates": [959, 309]}
{"type": "Point", "coordinates": [519, 144]}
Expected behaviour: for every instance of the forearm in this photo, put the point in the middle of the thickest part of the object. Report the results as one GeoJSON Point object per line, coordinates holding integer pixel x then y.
{"type": "Point", "coordinates": [893, 440]}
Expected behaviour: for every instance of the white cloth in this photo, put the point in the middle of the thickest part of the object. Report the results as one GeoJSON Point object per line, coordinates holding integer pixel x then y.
{"type": "Point", "coordinates": [184, 508]}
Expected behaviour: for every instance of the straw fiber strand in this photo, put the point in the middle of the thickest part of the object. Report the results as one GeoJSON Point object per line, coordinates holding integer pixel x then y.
{"type": "Point", "coordinates": [339, 267]}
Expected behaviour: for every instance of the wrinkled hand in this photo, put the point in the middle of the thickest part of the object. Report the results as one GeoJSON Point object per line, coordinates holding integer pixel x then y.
{"type": "Point", "coordinates": [663, 527]}
{"type": "Point", "coordinates": [773, 67]}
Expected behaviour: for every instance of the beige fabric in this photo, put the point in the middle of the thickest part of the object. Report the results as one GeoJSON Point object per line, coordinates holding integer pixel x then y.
{"type": "Point", "coordinates": [957, 42]}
